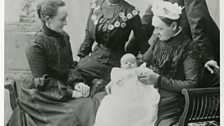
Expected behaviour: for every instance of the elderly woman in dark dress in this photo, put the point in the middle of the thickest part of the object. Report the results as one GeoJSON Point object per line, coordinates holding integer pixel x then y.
{"type": "Point", "coordinates": [109, 24]}
{"type": "Point", "coordinates": [198, 25]}
{"type": "Point", "coordinates": [174, 59]}
{"type": "Point", "coordinates": [53, 99]}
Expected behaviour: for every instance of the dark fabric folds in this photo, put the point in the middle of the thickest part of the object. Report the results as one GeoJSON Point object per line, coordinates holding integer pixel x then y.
{"type": "Point", "coordinates": [47, 99]}
{"type": "Point", "coordinates": [177, 63]}
{"type": "Point", "coordinates": [203, 29]}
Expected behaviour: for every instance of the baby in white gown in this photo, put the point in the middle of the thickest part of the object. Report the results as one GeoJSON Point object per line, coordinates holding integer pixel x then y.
{"type": "Point", "coordinates": [130, 103]}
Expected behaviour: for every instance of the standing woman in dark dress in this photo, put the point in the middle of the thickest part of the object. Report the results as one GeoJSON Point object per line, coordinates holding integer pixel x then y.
{"type": "Point", "coordinates": [109, 24]}
{"type": "Point", "coordinates": [174, 59]}
{"type": "Point", "coordinates": [52, 99]}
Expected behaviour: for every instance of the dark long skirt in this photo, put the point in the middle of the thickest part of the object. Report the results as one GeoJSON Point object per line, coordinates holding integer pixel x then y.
{"type": "Point", "coordinates": [35, 110]}
{"type": "Point", "coordinates": [169, 109]}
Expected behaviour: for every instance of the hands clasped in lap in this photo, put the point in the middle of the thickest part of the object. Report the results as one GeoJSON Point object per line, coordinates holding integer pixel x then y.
{"type": "Point", "coordinates": [81, 90]}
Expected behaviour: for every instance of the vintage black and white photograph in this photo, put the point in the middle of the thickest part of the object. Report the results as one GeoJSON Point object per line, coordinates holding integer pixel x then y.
{"type": "Point", "coordinates": [112, 63]}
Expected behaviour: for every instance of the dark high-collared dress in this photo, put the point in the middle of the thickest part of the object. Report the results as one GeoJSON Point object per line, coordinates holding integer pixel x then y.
{"type": "Point", "coordinates": [110, 27]}
{"type": "Point", "coordinates": [47, 101]}
{"type": "Point", "coordinates": [176, 61]}
{"type": "Point", "coordinates": [196, 23]}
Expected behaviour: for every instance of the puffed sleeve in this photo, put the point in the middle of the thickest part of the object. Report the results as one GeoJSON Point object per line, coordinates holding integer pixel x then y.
{"type": "Point", "coordinates": [50, 87]}
{"type": "Point", "coordinates": [86, 46]}
{"type": "Point", "coordinates": [139, 42]}
{"type": "Point", "coordinates": [35, 54]}
{"type": "Point", "coordinates": [191, 69]}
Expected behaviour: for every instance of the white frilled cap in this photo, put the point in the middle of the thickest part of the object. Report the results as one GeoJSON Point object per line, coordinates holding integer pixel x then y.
{"type": "Point", "coordinates": [167, 10]}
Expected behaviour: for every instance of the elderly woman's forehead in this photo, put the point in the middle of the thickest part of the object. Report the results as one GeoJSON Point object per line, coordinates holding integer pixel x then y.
{"type": "Point", "coordinates": [157, 22]}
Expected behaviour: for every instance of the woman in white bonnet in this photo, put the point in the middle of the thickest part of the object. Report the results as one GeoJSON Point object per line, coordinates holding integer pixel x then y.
{"type": "Point", "coordinates": [198, 25]}
{"type": "Point", "coordinates": [173, 57]}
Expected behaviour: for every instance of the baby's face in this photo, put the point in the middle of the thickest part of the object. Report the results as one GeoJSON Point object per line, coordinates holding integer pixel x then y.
{"type": "Point", "coordinates": [128, 62]}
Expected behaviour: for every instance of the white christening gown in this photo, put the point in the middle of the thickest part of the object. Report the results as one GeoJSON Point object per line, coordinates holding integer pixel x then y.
{"type": "Point", "coordinates": [131, 103]}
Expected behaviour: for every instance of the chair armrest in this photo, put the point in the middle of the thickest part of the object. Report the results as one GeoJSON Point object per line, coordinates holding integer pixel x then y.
{"type": "Point", "coordinates": [201, 104]}
{"type": "Point", "coordinates": [11, 86]}
{"type": "Point", "coordinates": [13, 82]}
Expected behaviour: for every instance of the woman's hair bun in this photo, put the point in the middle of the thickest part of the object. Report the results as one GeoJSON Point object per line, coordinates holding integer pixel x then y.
{"type": "Point", "coordinates": [39, 10]}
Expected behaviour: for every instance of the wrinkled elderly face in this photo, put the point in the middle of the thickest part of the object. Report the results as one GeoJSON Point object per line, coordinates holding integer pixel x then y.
{"type": "Point", "coordinates": [128, 61]}
{"type": "Point", "coordinates": [162, 30]}
{"type": "Point", "coordinates": [58, 22]}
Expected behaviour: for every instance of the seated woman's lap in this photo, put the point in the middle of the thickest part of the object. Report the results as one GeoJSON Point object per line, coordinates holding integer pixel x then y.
{"type": "Point", "coordinates": [91, 68]}
{"type": "Point", "coordinates": [169, 109]}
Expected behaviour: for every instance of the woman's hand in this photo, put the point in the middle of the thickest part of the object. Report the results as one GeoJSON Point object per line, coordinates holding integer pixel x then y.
{"type": "Point", "coordinates": [83, 89]}
{"type": "Point", "coordinates": [211, 63]}
{"type": "Point", "coordinates": [148, 78]}
{"type": "Point", "coordinates": [76, 94]}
